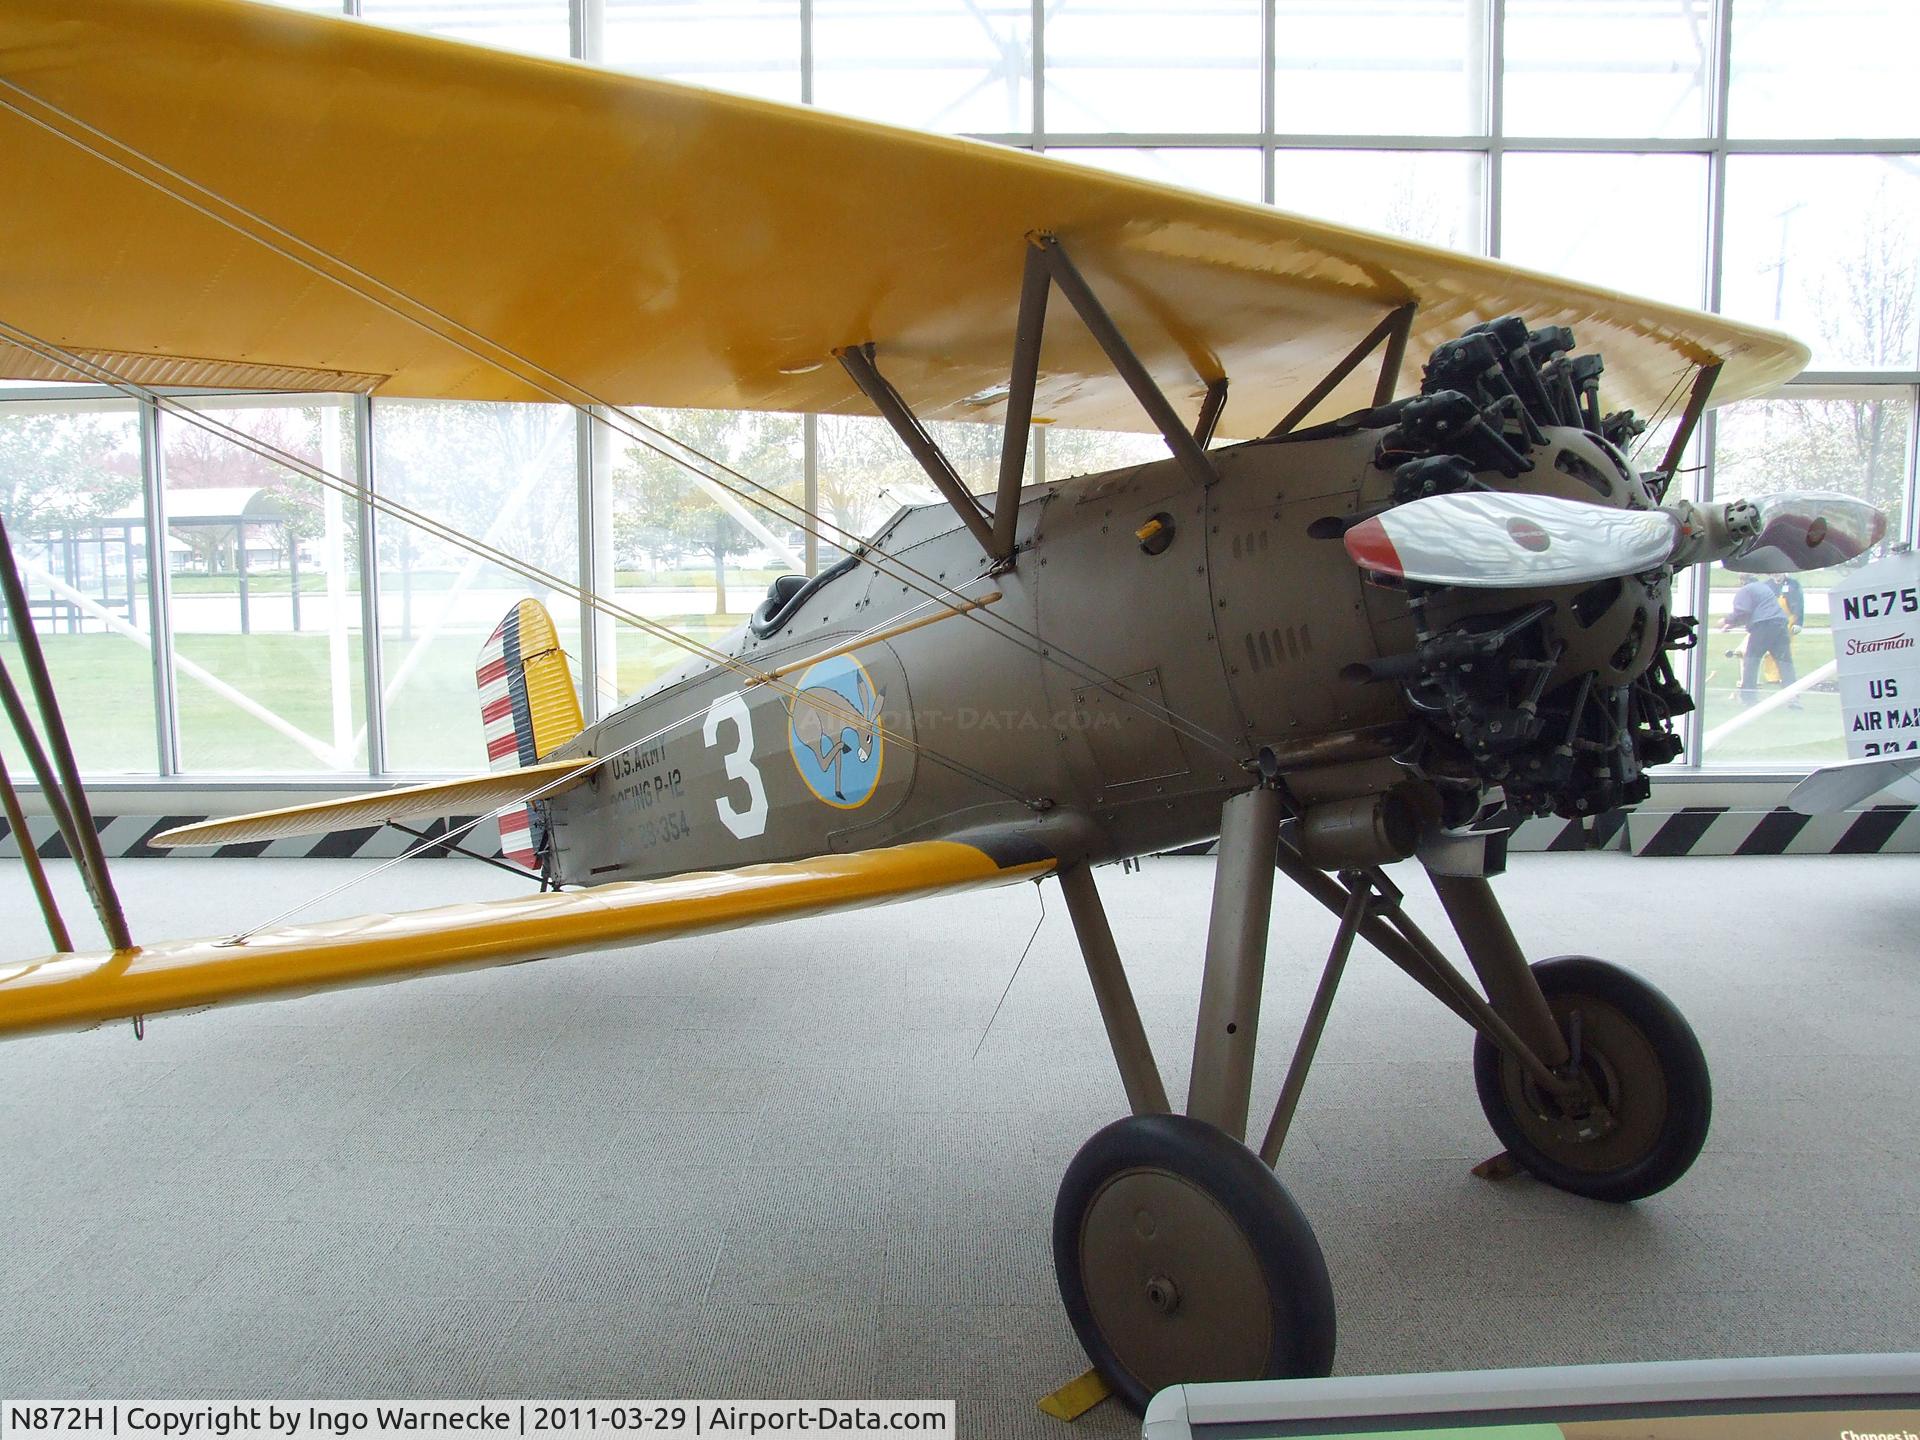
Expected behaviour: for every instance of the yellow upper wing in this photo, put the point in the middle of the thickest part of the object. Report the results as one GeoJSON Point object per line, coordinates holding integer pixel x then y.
{"type": "Point", "coordinates": [639, 242]}
{"type": "Point", "coordinates": [76, 992]}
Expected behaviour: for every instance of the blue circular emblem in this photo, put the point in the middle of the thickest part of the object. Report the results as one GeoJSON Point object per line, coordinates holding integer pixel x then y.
{"type": "Point", "coordinates": [833, 731]}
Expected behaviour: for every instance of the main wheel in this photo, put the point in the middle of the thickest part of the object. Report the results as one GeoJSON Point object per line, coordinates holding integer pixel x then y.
{"type": "Point", "coordinates": [1181, 1257]}
{"type": "Point", "coordinates": [1642, 1063]}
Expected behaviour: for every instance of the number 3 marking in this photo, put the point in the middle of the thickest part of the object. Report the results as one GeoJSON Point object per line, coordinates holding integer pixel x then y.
{"type": "Point", "coordinates": [752, 821]}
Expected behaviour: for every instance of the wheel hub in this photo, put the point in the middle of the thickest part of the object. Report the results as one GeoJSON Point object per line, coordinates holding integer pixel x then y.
{"type": "Point", "coordinates": [1172, 1281]}
{"type": "Point", "coordinates": [1163, 1295]}
{"type": "Point", "coordinates": [1586, 1113]}
{"type": "Point", "coordinates": [1620, 1101]}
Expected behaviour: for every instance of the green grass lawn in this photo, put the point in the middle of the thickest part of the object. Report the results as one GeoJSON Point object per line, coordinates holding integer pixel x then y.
{"type": "Point", "coordinates": [695, 577]}
{"type": "Point", "coordinates": [312, 582]}
{"type": "Point", "coordinates": [106, 692]}
{"type": "Point", "coordinates": [1811, 734]}
{"type": "Point", "coordinates": [259, 582]}
{"type": "Point", "coordinates": [105, 684]}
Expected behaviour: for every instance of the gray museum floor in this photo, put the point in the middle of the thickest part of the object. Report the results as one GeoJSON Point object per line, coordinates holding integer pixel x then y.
{"type": "Point", "coordinates": [771, 1164]}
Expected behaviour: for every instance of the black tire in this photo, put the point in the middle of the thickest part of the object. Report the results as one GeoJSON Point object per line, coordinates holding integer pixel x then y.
{"type": "Point", "coordinates": [1647, 1066]}
{"type": "Point", "coordinates": [1154, 1199]}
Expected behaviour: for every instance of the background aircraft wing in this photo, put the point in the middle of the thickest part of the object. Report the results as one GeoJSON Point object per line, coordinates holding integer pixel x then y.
{"type": "Point", "coordinates": [1835, 787]}
{"type": "Point", "coordinates": [79, 991]}
{"type": "Point", "coordinates": [214, 192]}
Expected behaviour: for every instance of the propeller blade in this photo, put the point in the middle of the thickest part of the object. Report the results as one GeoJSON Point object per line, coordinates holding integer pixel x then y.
{"type": "Point", "coordinates": [1496, 540]}
{"type": "Point", "coordinates": [1809, 530]}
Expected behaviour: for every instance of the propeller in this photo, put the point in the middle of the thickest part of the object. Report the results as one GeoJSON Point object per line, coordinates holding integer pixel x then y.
{"type": "Point", "coordinates": [1809, 530]}
{"type": "Point", "coordinates": [1496, 539]}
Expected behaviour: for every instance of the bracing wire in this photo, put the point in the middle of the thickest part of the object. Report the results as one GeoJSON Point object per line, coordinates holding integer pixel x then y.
{"type": "Point", "coordinates": [1661, 413]}
{"type": "Point", "coordinates": [454, 832]}
{"type": "Point", "coordinates": [1008, 989]}
{"type": "Point", "coordinates": [526, 570]}
{"type": "Point", "coordinates": [810, 522]}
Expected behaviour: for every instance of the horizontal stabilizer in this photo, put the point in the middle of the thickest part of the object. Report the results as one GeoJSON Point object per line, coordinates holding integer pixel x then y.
{"type": "Point", "coordinates": [468, 795]}
{"type": "Point", "coordinates": [79, 991]}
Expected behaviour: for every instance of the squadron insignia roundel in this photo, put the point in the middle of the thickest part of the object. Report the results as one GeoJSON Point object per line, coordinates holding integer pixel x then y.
{"type": "Point", "coordinates": [833, 731]}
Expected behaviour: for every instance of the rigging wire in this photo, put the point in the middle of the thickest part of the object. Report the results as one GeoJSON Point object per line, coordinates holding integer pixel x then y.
{"type": "Point", "coordinates": [1661, 413]}
{"type": "Point", "coordinates": [526, 570]}
{"type": "Point", "coordinates": [1016, 970]}
{"type": "Point", "coordinates": [1007, 628]}
{"type": "Point", "coordinates": [567, 396]}
{"type": "Point", "coordinates": [456, 831]}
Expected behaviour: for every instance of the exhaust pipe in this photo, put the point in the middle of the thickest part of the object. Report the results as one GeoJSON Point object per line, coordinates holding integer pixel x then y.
{"type": "Point", "coordinates": [1366, 830]}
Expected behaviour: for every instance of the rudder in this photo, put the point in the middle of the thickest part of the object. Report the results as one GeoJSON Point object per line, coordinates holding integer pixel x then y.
{"type": "Point", "coordinates": [527, 708]}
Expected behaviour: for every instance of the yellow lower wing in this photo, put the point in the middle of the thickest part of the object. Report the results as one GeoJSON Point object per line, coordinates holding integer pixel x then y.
{"type": "Point", "coordinates": [79, 991]}
{"type": "Point", "coordinates": [440, 797]}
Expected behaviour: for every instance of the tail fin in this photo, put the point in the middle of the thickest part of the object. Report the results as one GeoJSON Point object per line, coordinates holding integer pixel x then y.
{"type": "Point", "coordinates": [527, 706]}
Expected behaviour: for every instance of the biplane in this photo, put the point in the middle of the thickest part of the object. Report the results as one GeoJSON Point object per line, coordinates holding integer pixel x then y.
{"type": "Point", "coordinates": [1359, 608]}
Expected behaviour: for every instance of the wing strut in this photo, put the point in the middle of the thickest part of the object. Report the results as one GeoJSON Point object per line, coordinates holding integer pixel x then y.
{"type": "Point", "coordinates": [1689, 418]}
{"type": "Point", "coordinates": [1027, 332]}
{"type": "Point", "coordinates": [1047, 265]}
{"type": "Point", "coordinates": [858, 361]}
{"type": "Point", "coordinates": [54, 766]}
{"type": "Point", "coordinates": [30, 858]}
{"type": "Point", "coordinates": [1094, 316]}
{"type": "Point", "coordinates": [1210, 408]}
{"type": "Point", "coordinates": [1393, 329]}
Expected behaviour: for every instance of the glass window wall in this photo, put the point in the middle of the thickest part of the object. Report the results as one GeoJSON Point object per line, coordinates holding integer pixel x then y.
{"type": "Point", "coordinates": [1380, 67]}
{"type": "Point", "coordinates": [1602, 148]}
{"type": "Point", "coordinates": [1637, 223]}
{"type": "Point", "coordinates": [748, 46]}
{"type": "Point", "coordinates": [506, 475]}
{"type": "Point", "coordinates": [1232, 173]}
{"type": "Point", "coordinates": [263, 575]}
{"type": "Point", "coordinates": [1856, 441]}
{"type": "Point", "coordinates": [1605, 69]}
{"type": "Point", "coordinates": [1809, 69]}
{"type": "Point", "coordinates": [1437, 197]}
{"type": "Point", "coordinates": [1827, 247]}
{"type": "Point", "coordinates": [694, 556]}
{"type": "Point", "coordinates": [71, 494]}
{"type": "Point", "coordinates": [1141, 66]}
{"type": "Point", "coordinates": [540, 27]}
{"type": "Point", "coordinates": [955, 65]}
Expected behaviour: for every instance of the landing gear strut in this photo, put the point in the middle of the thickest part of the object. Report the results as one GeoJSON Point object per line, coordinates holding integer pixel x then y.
{"type": "Point", "coordinates": [1181, 1256]}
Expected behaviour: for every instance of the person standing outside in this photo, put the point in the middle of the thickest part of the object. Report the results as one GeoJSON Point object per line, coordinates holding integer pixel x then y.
{"type": "Point", "coordinates": [1762, 609]}
{"type": "Point", "coordinates": [1793, 598]}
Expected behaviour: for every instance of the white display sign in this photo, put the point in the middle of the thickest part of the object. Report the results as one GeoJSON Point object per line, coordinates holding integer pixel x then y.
{"type": "Point", "coordinates": [1876, 649]}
